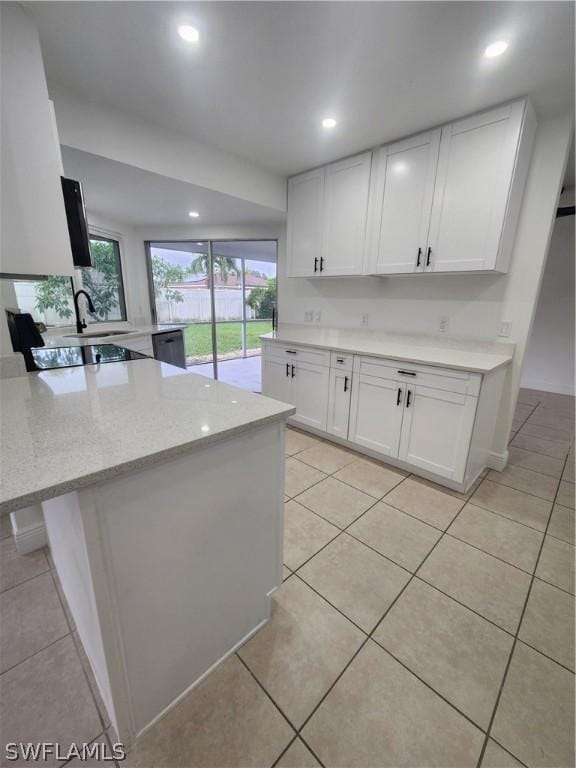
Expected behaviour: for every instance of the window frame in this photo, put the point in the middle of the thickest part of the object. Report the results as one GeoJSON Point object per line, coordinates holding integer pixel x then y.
{"type": "Point", "coordinates": [78, 284]}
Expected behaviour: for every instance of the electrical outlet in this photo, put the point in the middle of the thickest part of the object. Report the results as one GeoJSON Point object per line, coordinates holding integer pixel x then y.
{"type": "Point", "coordinates": [308, 316]}
{"type": "Point", "coordinates": [317, 317]}
{"type": "Point", "coordinates": [444, 324]}
{"type": "Point", "coordinates": [505, 329]}
{"type": "Point", "coordinates": [365, 319]}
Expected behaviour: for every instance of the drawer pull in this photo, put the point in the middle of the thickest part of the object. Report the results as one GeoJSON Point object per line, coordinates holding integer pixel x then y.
{"type": "Point", "coordinates": [340, 360]}
{"type": "Point", "coordinates": [291, 352]}
{"type": "Point", "coordinates": [407, 373]}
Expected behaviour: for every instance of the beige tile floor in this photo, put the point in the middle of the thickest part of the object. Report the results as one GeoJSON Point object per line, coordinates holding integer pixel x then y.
{"type": "Point", "coordinates": [415, 627]}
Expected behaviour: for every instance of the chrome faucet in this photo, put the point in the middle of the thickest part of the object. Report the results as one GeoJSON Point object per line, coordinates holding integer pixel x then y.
{"type": "Point", "coordinates": [81, 324]}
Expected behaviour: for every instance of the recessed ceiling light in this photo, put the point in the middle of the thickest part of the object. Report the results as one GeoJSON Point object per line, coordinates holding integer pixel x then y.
{"type": "Point", "coordinates": [328, 122]}
{"type": "Point", "coordinates": [495, 49]}
{"type": "Point", "coordinates": [199, 243]}
{"type": "Point", "coordinates": [194, 214]}
{"type": "Point", "coordinates": [188, 33]}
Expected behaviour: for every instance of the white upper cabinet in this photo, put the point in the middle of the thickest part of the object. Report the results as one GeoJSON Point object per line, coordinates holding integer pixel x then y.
{"type": "Point", "coordinates": [447, 200]}
{"type": "Point", "coordinates": [345, 212]}
{"type": "Point", "coordinates": [479, 183]}
{"type": "Point", "coordinates": [401, 204]}
{"type": "Point", "coordinates": [305, 218]}
{"type": "Point", "coordinates": [34, 237]}
{"type": "Point", "coordinates": [327, 213]}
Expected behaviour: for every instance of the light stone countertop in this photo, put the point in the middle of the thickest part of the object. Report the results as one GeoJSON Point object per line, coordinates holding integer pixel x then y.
{"type": "Point", "coordinates": [459, 354]}
{"type": "Point", "coordinates": [69, 339]}
{"type": "Point", "coordinates": [68, 428]}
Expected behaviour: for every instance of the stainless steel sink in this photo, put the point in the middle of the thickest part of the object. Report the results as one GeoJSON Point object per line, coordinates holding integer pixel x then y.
{"type": "Point", "coordinates": [95, 334]}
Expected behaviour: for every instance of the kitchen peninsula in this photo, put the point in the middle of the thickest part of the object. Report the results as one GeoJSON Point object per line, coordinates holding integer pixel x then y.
{"type": "Point", "coordinates": [162, 493]}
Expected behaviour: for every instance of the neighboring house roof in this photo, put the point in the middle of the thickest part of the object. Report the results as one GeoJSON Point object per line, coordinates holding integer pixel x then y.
{"type": "Point", "coordinates": [232, 281]}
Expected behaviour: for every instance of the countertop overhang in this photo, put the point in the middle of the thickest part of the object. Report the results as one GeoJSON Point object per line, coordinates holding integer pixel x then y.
{"type": "Point", "coordinates": [475, 356]}
{"type": "Point", "coordinates": [70, 339]}
{"type": "Point", "coordinates": [65, 429]}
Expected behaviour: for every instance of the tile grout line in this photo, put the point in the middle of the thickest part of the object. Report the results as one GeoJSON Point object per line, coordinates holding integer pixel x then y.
{"type": "Point", "coordinates": [515, 642]}
{"type": "Point", "coordinates": [369, 636]}
{"type": "Point", "coordinates": [33, 655]}
{"type": "Point", "coordinates": [394, 562]}
{"type": "Point", "coordinates": [383, 647]}
{"type": "Point", "coordinates": [25, 581]}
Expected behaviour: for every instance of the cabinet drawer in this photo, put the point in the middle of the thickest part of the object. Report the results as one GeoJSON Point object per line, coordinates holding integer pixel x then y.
{"type": "Point", "coordinates": [446, 379]}
{"type": "Point", "coordinates": [341, 361]}
{"type": "Point", "coordinates": [295, 353]}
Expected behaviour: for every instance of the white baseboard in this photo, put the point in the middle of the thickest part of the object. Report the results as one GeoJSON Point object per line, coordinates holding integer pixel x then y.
{"type": "Point", "coordinates": [497, 461]}
{"type": "Point", "coordinates": [29, 538]}
{"type": "Point", "coordinates": [553, 387]}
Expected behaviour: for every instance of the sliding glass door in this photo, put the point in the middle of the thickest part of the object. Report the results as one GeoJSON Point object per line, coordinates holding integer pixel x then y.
{"type": "Point", "coordinates": [225, 293]}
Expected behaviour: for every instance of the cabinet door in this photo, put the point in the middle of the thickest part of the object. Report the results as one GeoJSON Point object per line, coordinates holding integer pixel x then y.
{"type": "Point", "coordinates": [345, 215]}
{"type": "Point", "coordinates": [310, 393]}
{"type": "Point", "coordinates": [339, 403]}
{"type": "Point", "coordinates": [402, 203]}
{"type": "Point", "coordinates": [276, 381]}
{"type": "Point", "coordinates": [437, 430]}
{"type": "Point", "coordinates": [305, 217]}
{"type": "Point", "coordinates": [475, 170]}
{"type": "Point", "coordinates": [376, 414]}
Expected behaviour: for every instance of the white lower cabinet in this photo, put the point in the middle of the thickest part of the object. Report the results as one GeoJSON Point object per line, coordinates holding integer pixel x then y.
{"type": "Point", "coordinates": [376, 414]}
{"type": "Point", "coordinates": [339, 403]}
{"type": "Point", "coordinates": [302, 384]}
{"type": "Point", "coordinates": [422, 416]}
{"type": "Point", "coordinates": [436, 430]}
{"type": "Point", "coordinates": [275, 379]}
{"type": "Point", "coordinates": [309, 394]}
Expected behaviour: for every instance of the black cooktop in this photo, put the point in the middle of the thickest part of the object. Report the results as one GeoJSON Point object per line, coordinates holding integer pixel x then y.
{"type": "Point", "coordinates": [46, 358]}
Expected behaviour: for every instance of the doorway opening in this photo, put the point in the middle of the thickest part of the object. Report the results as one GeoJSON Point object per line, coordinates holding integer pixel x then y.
{"type": "Point", "coordinates": [224, 292]}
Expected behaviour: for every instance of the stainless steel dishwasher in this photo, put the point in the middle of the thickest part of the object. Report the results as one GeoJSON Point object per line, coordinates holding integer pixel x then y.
{"type": "Point", "coordinates": [169, 347]}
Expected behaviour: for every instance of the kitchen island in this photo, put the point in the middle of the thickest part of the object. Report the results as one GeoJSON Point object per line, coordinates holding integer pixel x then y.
{"type": "Point", "coordinates": [163, 499]}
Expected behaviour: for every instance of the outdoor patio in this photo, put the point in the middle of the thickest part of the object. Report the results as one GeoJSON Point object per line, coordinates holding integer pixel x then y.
{"type": "Point", "coordinates": [243, 372]}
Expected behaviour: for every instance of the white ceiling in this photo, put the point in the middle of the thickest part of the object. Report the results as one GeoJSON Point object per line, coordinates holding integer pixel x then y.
{"type": "Point", "coordinates": [265, 73]}
{"type": "Point", "coordinates": [136, 197]}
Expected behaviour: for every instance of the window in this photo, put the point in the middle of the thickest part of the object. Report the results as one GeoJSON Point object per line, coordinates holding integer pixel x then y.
{"type": "Point", "coordinates": [103, 281]}
{"type": "Point", "coordinates": [51, 300]}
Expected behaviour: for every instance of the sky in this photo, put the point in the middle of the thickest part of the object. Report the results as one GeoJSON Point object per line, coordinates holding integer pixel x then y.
{"type": "Point", "coordinates": [184, 259]}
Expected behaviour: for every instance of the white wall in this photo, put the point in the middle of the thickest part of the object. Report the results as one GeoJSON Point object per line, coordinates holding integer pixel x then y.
{"type": "Point", "coordinates": [476, 305]}
{"type": "Point", "coordinates": [549, 361]}
{"type": "Point", "coordinates": [109, 133]}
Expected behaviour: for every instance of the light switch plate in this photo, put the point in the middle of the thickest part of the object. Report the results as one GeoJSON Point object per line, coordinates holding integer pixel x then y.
{"type": "Point", "coordinates": [505, 329]}
{"type": "Point", "coordinates": [308, 316]}
{"type": "Point", "coordinates": [444, 324]}
{"type": "Point", "coordinates": [365, 319]}
{"type": "Point", "coordinates": [317, 317]}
